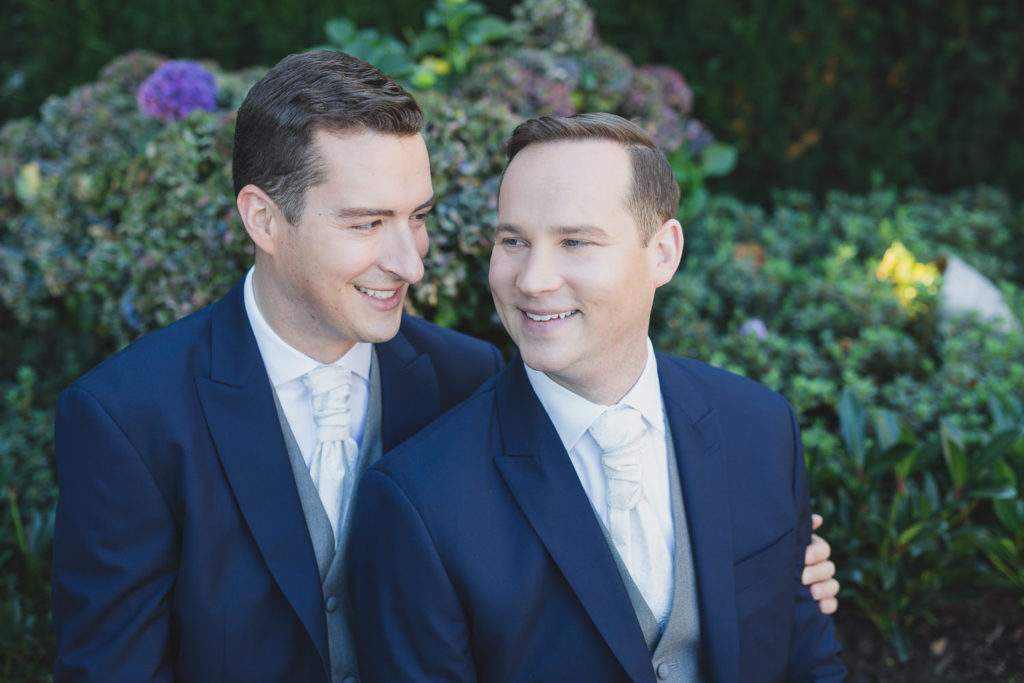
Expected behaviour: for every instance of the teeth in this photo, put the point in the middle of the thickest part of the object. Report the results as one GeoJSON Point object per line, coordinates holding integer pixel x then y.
{"type": "Point", "coordinates": [545, 318]}
{"type": "Point", "coordinates": [381, 294]}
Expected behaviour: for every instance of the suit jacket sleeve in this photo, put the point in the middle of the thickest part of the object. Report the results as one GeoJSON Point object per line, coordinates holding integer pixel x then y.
{"type": "Point", "coordinates": [115, 552]}
{"type": "Point", "coordinates": [814, 651]}
{"type": "Point", "coordinates": [410, 623]}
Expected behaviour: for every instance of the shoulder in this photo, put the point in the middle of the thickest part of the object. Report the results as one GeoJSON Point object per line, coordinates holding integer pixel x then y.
{"type": "Point", "coordinates": [451, 443]}
{"type": "Point", "coordinates": [174, 352]}
{"type": "Point", "coordinates": [727, 392]}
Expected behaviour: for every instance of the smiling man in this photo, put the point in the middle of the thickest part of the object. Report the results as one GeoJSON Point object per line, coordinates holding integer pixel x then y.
{"type": "Point", "coordinates": [598, 511]}
{"type": "Point", "coordinates": [206, 471]}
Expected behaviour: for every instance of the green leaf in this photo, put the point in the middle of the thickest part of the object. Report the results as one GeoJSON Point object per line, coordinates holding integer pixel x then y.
{"type": "Point", "coordinates": [851, 424]}
{"type": "Point", "coordinates": [486, 30]}
{"type": "Point", "coordinates": [1011, 514]}
{"type": "Point", "coordinates": [993, 492]}
{"type": "Point", "coordinates": [908, 534]}
{"type": "Point", "coordinates": [396, 65]}
{"type": "Point", "coordinates": [887, 573]}
{"type": "Point", "coordinates": [998, 445]}
{"type": "Point", "coordinates": [340, 32]}
{"type": "Point", "coordinates": [427, 43]}
{"type": "Point", "coordinates": [718, 159]}
{"type": "Point", "coordinates": [930, 492]}
{"type": "Point", "coordinates": [953, 452]}
{"type": "Point", "coordinates": [887, 428]}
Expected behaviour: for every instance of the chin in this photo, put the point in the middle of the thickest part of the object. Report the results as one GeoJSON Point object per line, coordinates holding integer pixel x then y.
{"type": "Point", "coordinates": [543, 362]}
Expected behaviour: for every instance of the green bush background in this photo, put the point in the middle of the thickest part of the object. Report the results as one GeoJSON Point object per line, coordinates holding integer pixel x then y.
{"type": "Point", "coordinates": [817, 95]}
{"type": "Point", "coordinates": [112, 225]}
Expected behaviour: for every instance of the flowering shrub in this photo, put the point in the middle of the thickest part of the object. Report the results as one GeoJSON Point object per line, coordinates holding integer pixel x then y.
{"type": "Point", "coordinates": [529, 82]}
{"type": "Point", "coordinates": [176, 89]}
{"type": "Point", "coordinates": [810, 275]}
{"type": "Point", "coordinates": [557, 26]}
{"type": "Point", "coordinates": [910, 277]}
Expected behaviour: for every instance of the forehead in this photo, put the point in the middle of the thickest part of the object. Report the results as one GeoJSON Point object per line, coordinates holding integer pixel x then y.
{"type": "Point", "coordinates": [369, 164]}
{"type": "Point", "coordinates": [566, 178]}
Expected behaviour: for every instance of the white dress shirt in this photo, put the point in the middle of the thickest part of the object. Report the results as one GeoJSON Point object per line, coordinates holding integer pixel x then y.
{"type": "Point", "coordinates": [285, 367]}
{"type": "Point", "coordinates": [572, 416]}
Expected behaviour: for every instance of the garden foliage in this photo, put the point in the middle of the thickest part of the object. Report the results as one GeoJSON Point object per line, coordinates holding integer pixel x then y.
{"type": "Point", "coordinates": [114, 222]}
{"type": "Point", "coordinates": [817, 95]}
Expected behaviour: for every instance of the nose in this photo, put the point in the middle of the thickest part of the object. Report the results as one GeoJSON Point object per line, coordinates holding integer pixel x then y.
{"type": "Point", "coordinates": [403, 252]}
{"type": "Point", "coordinates": [539, 274]}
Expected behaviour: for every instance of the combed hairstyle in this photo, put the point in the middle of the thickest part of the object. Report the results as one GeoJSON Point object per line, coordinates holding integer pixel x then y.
{"type": "Point", "coordinates": [305, 93]}
{"type": "Point", "coordinates": [653, 196]}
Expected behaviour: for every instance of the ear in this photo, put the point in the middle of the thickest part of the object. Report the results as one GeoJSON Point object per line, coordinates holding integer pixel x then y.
{"type": "Point", "coordinates": [666, 250]}
{"type": "Point", "coordinates": [261, 217]}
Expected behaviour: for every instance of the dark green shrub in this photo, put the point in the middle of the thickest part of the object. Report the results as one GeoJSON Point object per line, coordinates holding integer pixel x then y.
{"type": "Point", "coordinates": [924, 493]}
{"type": "Point", "coordinates": [28, 493]}
{"type": "Point", "coordinates": [830, 95]}
{"type": "Point", "coordinates": [905, 528]}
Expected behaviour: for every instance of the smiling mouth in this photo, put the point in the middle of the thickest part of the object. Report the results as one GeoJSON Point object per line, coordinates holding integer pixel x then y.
{"type": "Point", "coordinates": [553, 316]}
{"type": "Point", "coordinates": [380, 294]}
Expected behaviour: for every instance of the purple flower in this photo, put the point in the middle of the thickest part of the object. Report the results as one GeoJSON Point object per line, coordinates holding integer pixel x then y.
{"type": "Point", "coordinates": [697, 137]}
{"type": "Point", "coordinates": [176, 89]}
{"type": "Point", "coordinates": [754, 326]}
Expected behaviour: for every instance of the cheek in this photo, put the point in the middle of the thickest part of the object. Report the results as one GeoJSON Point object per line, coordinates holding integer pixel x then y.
{"type": "Point", "coordinates": [495, 272]}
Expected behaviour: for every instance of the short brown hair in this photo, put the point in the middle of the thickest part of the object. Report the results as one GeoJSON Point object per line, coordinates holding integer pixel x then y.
{"type": "Point", "coordinates": [653, 196]}
{"type": "Point", "coordinates": [302, 94]}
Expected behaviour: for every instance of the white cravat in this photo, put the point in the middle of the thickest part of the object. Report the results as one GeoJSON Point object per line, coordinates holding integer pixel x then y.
{"type": "Point", "coordinates": [623, 437]}
{"type": "Point", "coordinates": [334, 458]}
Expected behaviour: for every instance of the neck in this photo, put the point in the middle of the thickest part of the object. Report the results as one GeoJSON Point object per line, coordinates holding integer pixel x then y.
{"type": "Point", "coordinates": [608, 385]}
{"type": "Point", "coordinates": [301, 337]}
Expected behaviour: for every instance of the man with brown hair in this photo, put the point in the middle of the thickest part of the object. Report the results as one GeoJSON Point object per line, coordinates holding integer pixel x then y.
{"type": "Point", "coordinates": [207, 470]}
{"type": "Point", "coordinates": [596, 512]}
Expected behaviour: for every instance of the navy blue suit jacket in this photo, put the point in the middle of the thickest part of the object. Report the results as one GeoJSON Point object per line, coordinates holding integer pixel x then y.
{"type": "Point", "coordinates": [477, 555]}
{"type": "Point", "coordinates": [181, 550]}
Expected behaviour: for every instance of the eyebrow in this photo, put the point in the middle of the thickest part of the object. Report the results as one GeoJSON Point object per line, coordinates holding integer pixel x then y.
{"type": "Point", "coordinates": [561, 231]}
{"type": "Point", "coordinates": [358, 212]}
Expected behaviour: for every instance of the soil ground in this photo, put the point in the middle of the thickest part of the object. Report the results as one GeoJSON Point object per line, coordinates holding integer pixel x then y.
{"type": "Point", "coordinates": [978, 641]}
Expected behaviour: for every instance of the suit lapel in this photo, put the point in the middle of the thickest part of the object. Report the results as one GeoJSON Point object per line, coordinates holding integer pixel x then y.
{"type": "Point", "coordinates": [541, 478]}
{"type": "Point", "coordinates": [702, 472]}
{"type": "Point", "coordinates": [243, 422]}
{"type": "Point", "coordinates": [410, 396]}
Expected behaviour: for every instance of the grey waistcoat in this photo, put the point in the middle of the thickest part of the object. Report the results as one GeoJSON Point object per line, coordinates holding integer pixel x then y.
{"type": "Point", "coordinates": [675, 652]}
{"type": "Point", "coordinates": [330, 562]}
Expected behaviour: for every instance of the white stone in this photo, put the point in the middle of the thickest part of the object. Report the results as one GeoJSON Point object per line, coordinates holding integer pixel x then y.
{"type": "Point", "coordinates": [965, 290]}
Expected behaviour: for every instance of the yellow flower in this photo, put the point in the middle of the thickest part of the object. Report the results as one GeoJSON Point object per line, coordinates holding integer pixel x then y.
{"type": "Point", "coordinates": [909, 277]}
{"type": "Point", "coordinates": [439, 66]}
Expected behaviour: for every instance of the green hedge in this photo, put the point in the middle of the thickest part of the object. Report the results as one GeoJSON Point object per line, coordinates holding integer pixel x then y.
{"type": "Point", "coordinates": [817, 95]}
{"type": "Point", "coordinates": [51, 45]}
{"type": "Point", "coordinates": [827, 95]}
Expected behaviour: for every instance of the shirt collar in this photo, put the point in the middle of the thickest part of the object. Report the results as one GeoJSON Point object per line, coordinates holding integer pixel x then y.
{"type": "Point", "coordinates": [284, 362]}
{"type": "Point", "coordinates": [572, 414]}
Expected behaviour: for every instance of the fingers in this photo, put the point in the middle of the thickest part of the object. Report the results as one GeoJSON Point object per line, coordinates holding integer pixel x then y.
{"type": "Point", "coordinates": [814, 574]}
{"type": "Point", "coordinates": [828, 606]}
{"type": "Point", "coordinates": [826, 590]}
{"type": "Point", "coordinates": [818, 551]}
{"type": "Point", "coordinates": [816, 521]}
